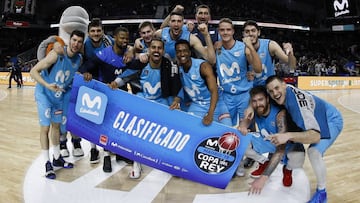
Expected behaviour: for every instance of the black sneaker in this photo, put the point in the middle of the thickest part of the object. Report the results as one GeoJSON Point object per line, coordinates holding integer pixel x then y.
{"type": "Point", "coordinates": [121, 158]}
{"type": "Point", "coordinates": [94, 156]}
{"type": "Point", "coordinates": [49, 171]}
{"type": "Point", "coordinates": [248, 163]}
{"type": "Point", "coordinates": [107, 164]}
{"type": "Point", "coordinates": [60, 162]}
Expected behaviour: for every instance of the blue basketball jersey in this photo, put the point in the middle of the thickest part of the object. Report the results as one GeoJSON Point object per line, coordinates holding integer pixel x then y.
{"type": "Point", "coordinates": [231, 68]}
{"type": "Point", "coordinates": [109, 64]}
{"type": "Point", "coordinates": [308, 111]}
{"type": "Point", "coordinates": [150, 83]}
{"type": "Point", "coordinates": [90, 50]}
{"type": "Point", "coordinates": [169, 43]}
{"type": "Point", "coordinates": [61, 73]}
{"type": "Point", "coordinates": [194, 85]}
{"type": "Point", "coordinates": [268, 123]}
{"type": "Point", "coordinates": [268, 67]}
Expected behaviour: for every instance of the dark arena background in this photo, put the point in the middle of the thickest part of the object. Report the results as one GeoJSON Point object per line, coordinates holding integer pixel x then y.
{"type": "Point", "coordinates": [324, 31]}
{"type": "Point", "coordinates": [325, 36]}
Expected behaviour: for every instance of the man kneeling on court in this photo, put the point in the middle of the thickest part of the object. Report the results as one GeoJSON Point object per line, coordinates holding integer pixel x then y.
{"type": "Point", "coordinates": [270, 119]}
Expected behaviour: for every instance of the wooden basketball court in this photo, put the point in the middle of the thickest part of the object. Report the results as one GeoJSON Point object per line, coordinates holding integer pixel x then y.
{"type": "Point", "coordinates": [22, 171]}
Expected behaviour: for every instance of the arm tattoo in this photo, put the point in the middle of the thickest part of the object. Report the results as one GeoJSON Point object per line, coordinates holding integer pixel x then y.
{"type": "Point", "coordinates": [275, 160]}
{"type": "Point", "coordinates": [280, 150]}
{"type": "Point", "coordinates": [281, 122]}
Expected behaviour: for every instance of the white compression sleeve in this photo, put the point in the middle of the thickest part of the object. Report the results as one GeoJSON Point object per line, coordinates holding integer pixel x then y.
{"type": "Point", "coordinates": [318, 165]}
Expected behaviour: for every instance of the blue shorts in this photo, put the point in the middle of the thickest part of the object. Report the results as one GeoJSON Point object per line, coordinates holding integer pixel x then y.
{"type": "Point", "coordinates": [159, 100]}
{"type": "Point", "coordinates": [48, 112]}
{"type": "Point", "coordinates": [221, 113]}
{"type": "Point", "coordinates": [67, 95]}
{"type": "Point", "coordinates": [261, 146]}
{"type": "Point", "coordinates": [335, 123]}
{"type": "Point", "coordinates": [236, 104]}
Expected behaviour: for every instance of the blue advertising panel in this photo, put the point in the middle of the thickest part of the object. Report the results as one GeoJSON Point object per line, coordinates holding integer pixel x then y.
{"type": "Point", "coordinates": [152, 134]}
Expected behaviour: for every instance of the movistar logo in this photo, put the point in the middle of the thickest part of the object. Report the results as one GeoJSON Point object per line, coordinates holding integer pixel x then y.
{"type": "Point", "coordinates": [62, 76]}
{"type": "Point", "coordinates": [192, 92]}
{"type": "Point", "coordinates": [86, 100]}
{"type": "Point", "coordinates": [341, 8]}
{"type": "Point", "coordinates": [91, 105]}
{"type": "Point", "coordinates": [235, 68]}
{"type": "Point", "coordinates": [150, 89]}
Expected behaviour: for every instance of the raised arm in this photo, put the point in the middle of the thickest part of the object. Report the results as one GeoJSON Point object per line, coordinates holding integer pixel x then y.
{"type": "Point", "coordinates": [208, 52]}
{"type": "Point", "coordinates": [177, 9]}
{"type": "Point", "coordinates": [252, 56]}
{"type": "Point", "coordinates": [285, 55]}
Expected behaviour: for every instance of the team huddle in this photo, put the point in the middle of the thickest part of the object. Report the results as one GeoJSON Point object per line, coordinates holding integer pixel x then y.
{"type": "Point", "coordinates": [202, 70]}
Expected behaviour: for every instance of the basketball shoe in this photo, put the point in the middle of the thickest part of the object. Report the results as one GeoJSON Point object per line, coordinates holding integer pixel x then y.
{"type": "Point", "coordinates": [107, 164]}
{"type": "Point", "coordinates": [121, 158]}
{"type": "Point", "coordinates": [249, 162]}
{"type": "Point", "coordinates": [94, 156]}
{"type": "Point", "coordinates": [240, 171]}
{"type": "Point", "coordinates": [77, 151]}
{"type": "Point", "coordinates": [49, 171]}
{"type": "Point", "coordinates": [260, 169]}
{"type": "Point", "coordinates": [63, 149]}
{"type": "Point", "coordinates": [136, 171]}
{"type": "Point", "coordinates": [287, 177]}
{"type": "Point", "coordinates": [60, 162]}
{"type": "Point", "coordinates": [320, 196]}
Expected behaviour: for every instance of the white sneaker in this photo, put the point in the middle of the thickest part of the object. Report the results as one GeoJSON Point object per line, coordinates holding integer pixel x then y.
{"type": "Point", "coordinates": [63, 149]}
{"type": "Point", "coordinates": [77, 152]}
{"type": "Point", "coordinates": [136, 171]}
{"type": "Point", "coordinates": [240, 171]}
{"type": "Point", "coordinates": [64, 153]}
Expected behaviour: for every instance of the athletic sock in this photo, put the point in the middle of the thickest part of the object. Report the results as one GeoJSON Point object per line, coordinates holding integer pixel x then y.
{"type": "Point", "coordinates": [56, 151]}
{"type": "Point", "coordinates": [45, 154]}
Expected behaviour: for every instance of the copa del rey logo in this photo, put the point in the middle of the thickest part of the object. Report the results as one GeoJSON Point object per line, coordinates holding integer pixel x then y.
{"type": "Point", "coordinates": [91, 105]}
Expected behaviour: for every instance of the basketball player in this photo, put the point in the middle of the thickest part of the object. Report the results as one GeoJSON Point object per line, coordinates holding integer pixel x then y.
{"type": "Point", "coordinates": [109, 63]}
{"type": "Point", "coordinates": [96, 41]}
{"type": "Point", "coordinates": [268, 50]}
{"type": "Point", "coordinates": [156, 73]}
{"type": "Point", "coordinates": [270, 119]}
{"type": "Point", "coordinates": [199, 83]}
{"type": "Point", "coordinates": [49, 95]}
{"type": "Point", "coordinates": [231, 62]}
{"type": "Point", "coordinates": [12, 73]}
{"type": "Point", "coordinates": [202, 16]}
{"type": "Point", "coordinates": [156, 83]}
{"type": "Point", "coordinates": [175, 32]}
{"type": "Point", "coordinates": [320, 121]}
{"type": "Point", "coordinates": [141, 45]}
{"type": "Point", "coordinates": [232, 59]}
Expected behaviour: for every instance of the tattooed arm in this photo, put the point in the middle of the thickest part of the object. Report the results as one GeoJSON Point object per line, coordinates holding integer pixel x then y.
{"type": "Point", "coordinates": [259, 183]}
